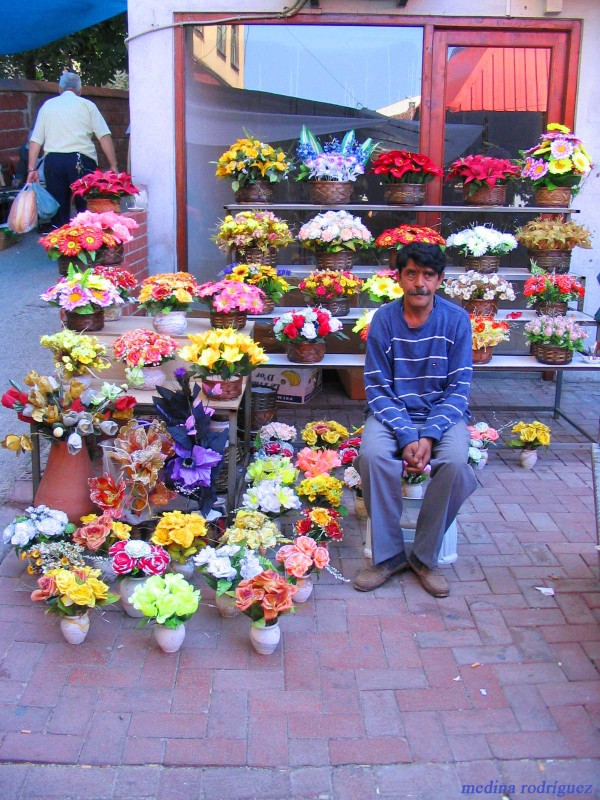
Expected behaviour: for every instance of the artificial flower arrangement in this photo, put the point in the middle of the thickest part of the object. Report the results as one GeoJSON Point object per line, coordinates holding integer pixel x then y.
{"type": "Point", "coordinates": [547, 287]}
{"type": "Point", "coordinates": [333, 161]}
{"type": "Point", "coordinates": [324, 433]}
{"type": "Point", "coordinates": [274, 468]}
{"type": "Point", "coordinates": [223, 352]}
{"type": "Point", "coordinates": [309, 325]}
{"type": "Point", "coordinates": [266, 278]}
{"type": "Point", "coordinates": [104, 184]}
{"type": "Point", "coordinates": [473, 285]}
{"type": "Point", "coordinates": [65, 412]}
{"type": "Point", "coordinates": [37, 525]}
{"type": "Point", "coordinates": [270, 497]}
{"type": "Point", "coordinates": [249, 160]}
{"type": "Point", "coordinates": [324, 285]}
{"type": "Point", "coordinates": [353, 480]}
{"type": "Point", "coordinates": [59, 554]}
{"type": "Point", "coordinates": [98, 534]}
{"type": "Point", "coordinates": [313, 462]}
{"type": "Point", "coordinates": [349, 449]}
{"type": "Point", "coordinates": [531, 435]}
{"type": "Point", "coordinates": [123, 281]}
{"type": "Point", "coordinates": [88, 236]}
{"type": "Point", "coordinates": [555, 332]}
{"type": "Point", "coordinates": [228, 297]}
{"type": "Point", "coordinates": [71, 592]}
{"type": "Point", "coordinates": [261, 229]}
{"type": "Point", "coordinates": [82, 292]}
{"type": "Point", "coordinates": [553, 234]}
{"type": "Point", "coordinates": [363, 323]}
{"type": "Point", "coordinates": [397, 238]}
{"type": "Point", "coordinates": [401, 166]}
{"type": "Point", "coordinates": [481, 240]}
{"type": "Point", "coordinates": [226, 566]}
{"type": "Point", "coordinates": [273, 449]}
{"type": "Point", "coordinates": [141, 348]}
{"type": "Point", "coordinates": [335, 231]}
{"type": "Point", "coordinates": [265, 597]}
{"type": "Point", "coordinates": [476, 171]}
{"type": "Point", "coordinates": [303, 557]}
{"type": "Point", "coordinates": [168, 599]}
{"type": "Point", "coordinates": [322, 487]}
{"type": "Point", "coordinates": [383, 286]}
{"type": "Point", "coordinates": [135, 558]}
{"type": "Point", "coordinates": [320, 523]}
{"type": "Point", "coordinates": [488, 331]}
{"type": "Point", "coordinates": [277, 432]}
{"type": "Point", "coordinates": [181, 534]}
{"type": "Point", "coordinates": [415, 478]}
{"type": "Point", "coordinates": [481, 436]}
{"type": "Point", "coordinates": [75, 354]}
{"type": "Point", "coordinates": [168, 291]}
{"type": "Point", "coordinates": [558, 159]}
{"type": "Point", "coordinates": [254, 530]}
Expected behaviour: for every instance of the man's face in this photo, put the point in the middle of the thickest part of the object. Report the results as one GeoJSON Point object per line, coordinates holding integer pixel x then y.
{"type": "Point", "coordinates": [420, 285]}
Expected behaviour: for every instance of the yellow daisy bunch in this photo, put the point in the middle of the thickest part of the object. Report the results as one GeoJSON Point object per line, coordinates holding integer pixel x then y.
{"type": "Point", "coordinates": [255, 530]}
{"type": "Point", "coordinates": [181, 534]}
{"type": "Point", "coordinates": [76, 353]}
{"type": "Point", "coordinates": [262, 276]}
{"type": "Point", "coordinates": [383, 286]}
{"type": "Point", "coordinates": [222, 351]}
{"type": "Point", "coordinates": [322, 487]}
{"type": "Point", "coordinates": [248, 160]}
{"type": "Point", "coordinates": [324, 433]}
{"type": "Point", "coordinates": [531, 435]}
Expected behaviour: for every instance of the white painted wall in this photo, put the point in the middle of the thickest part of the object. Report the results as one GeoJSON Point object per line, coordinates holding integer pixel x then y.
{"type": "Point", "coordinates": [152, 101]}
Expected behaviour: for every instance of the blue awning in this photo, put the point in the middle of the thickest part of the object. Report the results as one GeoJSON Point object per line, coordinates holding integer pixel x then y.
{"type": "Point", "coordinates": [34, 23]}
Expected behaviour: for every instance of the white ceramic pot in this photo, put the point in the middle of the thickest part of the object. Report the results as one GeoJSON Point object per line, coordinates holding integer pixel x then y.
{"type": "Point", "coordinates": [113, 313]}
{"type": "Point", "coordinates": [528, 458]}
{"type": "Point", "coordinates": [265, 640]}
{"type": "Point", "coordinates": [126, 588]}
{"type": "Point", "coordinates": [75, 629]}
{"type": "Point", "coordinates": [153, 377]}
{"type": "Point", "coordinates": [173, 323]}
{"type": "Point", "coordinates": [169, 639]}
{"type": "Point", "coordinates": [305, 587]}
{"type": "Point", "coordinates": [226, 605]}
{"type": "Point", "coordinates": [186, 569]}
{"type": "Point", "coordinates": [412, 490]}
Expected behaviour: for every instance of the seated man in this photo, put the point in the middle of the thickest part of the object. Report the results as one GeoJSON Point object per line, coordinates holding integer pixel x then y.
{"type": "Point", "coordinates": [418, 371]}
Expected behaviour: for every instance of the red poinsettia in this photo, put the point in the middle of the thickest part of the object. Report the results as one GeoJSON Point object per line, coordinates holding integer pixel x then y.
{"type": "Point", "coordinates": [104, 184]}
{"type": "Point", "coordinates": [483, 170]}
{"type": "Point", "coordinates": [400, 166]}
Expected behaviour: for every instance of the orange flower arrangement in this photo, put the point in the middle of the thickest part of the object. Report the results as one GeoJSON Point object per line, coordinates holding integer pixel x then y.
{"type": "Point", "coordinates": [264, 597]}
{"type": "Point", "coordinates": [317, 462]}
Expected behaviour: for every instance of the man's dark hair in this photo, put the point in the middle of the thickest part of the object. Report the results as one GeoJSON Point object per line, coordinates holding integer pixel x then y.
{"type": "Point", "coordinates": [423, 255]}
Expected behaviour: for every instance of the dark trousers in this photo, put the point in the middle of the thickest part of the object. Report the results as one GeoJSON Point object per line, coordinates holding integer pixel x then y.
{"type": "Point", "coordinates": [60, 171]}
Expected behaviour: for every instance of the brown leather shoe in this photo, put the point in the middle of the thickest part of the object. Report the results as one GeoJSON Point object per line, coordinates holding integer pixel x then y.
{"type": "Point", "coordinates": [373, 577]}
{"type": "Point", "coordinates": [432, 580]}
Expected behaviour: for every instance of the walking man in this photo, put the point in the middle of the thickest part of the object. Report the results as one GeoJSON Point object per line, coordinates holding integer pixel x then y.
{"type": "Point", "coordinates": [418, 371]}
{"type": "Point", "coordinates": [65, 126]}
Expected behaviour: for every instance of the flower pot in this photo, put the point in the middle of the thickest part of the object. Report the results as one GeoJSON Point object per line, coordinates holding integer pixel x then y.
{"type": "Point", "coordinates": [268, 305]}
{"type": "Point", "coordinates": [63, 264]}
{"type": "Point", "coordinates": [169, 639]}
{"type": "Point", "coordinates": [174, 323]}
{"type": "Point", "coordinates": [113, 313]}
{"type": "Point", "coordinates": [186, 569]}
{"type": "Point", "coordinates": [404, 194]}
{"type": "Point", "coordinates": [553, 198]}
{"type": "Point", "coordinates": [550, 354]}
{"type": "Point", "coordinates": [126, 588]}
{"type": "Point", "coordinates": [226, 606]}
{"type": "Point", "coordinates": [254, 255]}
{"type": "Point", "coordinates": [528, 458]}
{"type": "Point", "coordinates": [483, 308]}
{"type": "Point", "coordinates": [551, 309]}
{"type": "Point", "coordinates": [263, 406]}
{"type": "Point", "coordinates": [329, 193]}
{"type": "Point", "coordinates": [100, 204]}
{"type": "Point", "coordinates": [305, 588]}
{"type": "Point", "coordinates": [339, 306]}
{"type": "Point", "coordinates": [75, 629]}
{"type": "Point", "coordinates": [485, 195]}
{"type": "Point", "coordinates": [558, 261]}
{"type": "Point", "coordinates": [483, 264]}
{"type": "Point", "coordinates": [109, 256]}
{"type": "Point", "coordinates": [234, 319]}
{"type": "Point", "coordinates": [265, 640]}
{"type": "Point", "coordinates": [412, 490]}
{"type": "Point", "coordinates": [217, 388]}
{"type": "Point", "coordinates": [306, 352]}
{"type": "Point", "coordinates": [152, 377]}
{"type": "Point", "coordinates": [85, 323]}
{"type": "Point", "coordinates": [482, 355]}
{"type": "Point", "coordinates": [360, 509]}
{"type": "Point", "coordinates": [64, 484]}
{"type": "Point", "coordinates": [340, 261]}
{"type": "Point", "coordinates": [258, 192]}
{"type": "Point", "coordinates": [483, 460]}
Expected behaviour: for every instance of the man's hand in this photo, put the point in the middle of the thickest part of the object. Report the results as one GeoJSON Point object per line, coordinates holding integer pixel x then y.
{"type": "Point", "coordinates": [417, 455]}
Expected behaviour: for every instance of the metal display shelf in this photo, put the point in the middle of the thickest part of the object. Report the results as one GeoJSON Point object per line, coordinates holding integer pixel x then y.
{"type": "Point", "coordinates": [399, 208]}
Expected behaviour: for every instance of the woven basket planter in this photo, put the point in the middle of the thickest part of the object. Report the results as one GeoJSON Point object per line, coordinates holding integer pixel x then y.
{"type": "Point", "coordinates": [330, 193]}
{"type": "Point", "coordinates": [483, 308]}
{"type": "Point", "coordinates": [558, 261]}
{"type": "Point", "coordinates": [483, 264]}
{"type": "Point", "coordinates": [259, 192]}
{"type": "Point", "coordinates": [553, 198]}
{"type": "Point", "coordinates": [85, 323]}
{"type": "Point", "coordinates": [486, 196]}
{"type": "Point", "coordinates": [483, 355]}
{"type": "Point", "coordinates": [550, 354]}
{"type": "Point", "coordinates": [254, 255]}
{"type": "Point", "coordinates": [306, 352]}
{"type": "Point", "coordinates": [63, 264]}
{"type": "Point", "coordinates": [339, 306]}
{"type": "Point", "coordinates": [218, 388]}
{"type": "Point", "coordinates": [237, 320]}
{"type": "Point", "coordinates": [404, 194]}
{"type": "Point", "coordinates": [100, 204]}
{"type": "Point", "coordinates": [551, 309]}
{"type": "Point", "coordinates": [340, 261]}
{"type": "Point", "coordinates": [108, 256]}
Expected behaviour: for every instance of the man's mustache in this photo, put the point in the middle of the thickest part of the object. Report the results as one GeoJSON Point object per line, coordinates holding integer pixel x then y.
{"type": "Point", "coordinates": [419, 292]}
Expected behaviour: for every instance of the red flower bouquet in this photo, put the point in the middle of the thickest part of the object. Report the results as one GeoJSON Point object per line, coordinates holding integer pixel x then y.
{"type": "Point", "coordinates": [407, 234]}
{"type": "Point", "coordinates": [552, 288]}
{"type": "Point", "coordinates": [121, 279]}
{"type": "Point", "coordinates": [136, 558]}
{"type": "Point", "coordinates": [400, 166]}
{"type": "Point", "coordinates": [308, 325]}
{"type": "Point", "coordinates": [320, 523]}
{"type": "Point", "coordinates": [104, 184]}
{"type": "Point", "coordinates": [477, 171]}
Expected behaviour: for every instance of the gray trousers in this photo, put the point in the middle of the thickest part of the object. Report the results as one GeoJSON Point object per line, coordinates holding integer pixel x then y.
{"type": "Point", "coordinates": [380, 466]}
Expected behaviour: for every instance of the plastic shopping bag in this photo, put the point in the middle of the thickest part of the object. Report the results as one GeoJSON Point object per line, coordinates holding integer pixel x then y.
{"type": "Point", "coordinates": [22, 216]}
{"type": "Point", "coordinates": [47, 206]}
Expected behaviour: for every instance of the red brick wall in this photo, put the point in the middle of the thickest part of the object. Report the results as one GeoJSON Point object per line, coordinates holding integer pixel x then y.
{"type": "Point", "coordinates": [20, 101]}
{"type": "Point", "coordinates": [136, 252]}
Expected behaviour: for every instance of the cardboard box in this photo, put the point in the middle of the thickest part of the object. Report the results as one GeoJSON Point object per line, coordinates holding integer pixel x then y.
{"type": "Point", "coordinates": [293, 385]}
{"type": "Point", "coordinates": [352, 380]}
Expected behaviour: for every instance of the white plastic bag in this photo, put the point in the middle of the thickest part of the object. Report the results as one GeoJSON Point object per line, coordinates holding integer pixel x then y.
{"type": "Point", "coordinates": [22, 216]}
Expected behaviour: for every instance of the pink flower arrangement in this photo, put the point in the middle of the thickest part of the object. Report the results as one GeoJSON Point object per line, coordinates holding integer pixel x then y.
{"type": "Point", "coordinates": [82, 292]}
{"type": "Point", "coordinates": [142, 348]}
{"type": "Point", "coordinates": [227, 296]}
{"type": "Point", "coordinates": [483, 433]}
{"type": "Point", "coordinates": [137, 558]}
{"type": "Point", "coordinates": [116, 224]}
{"type": "Point", "coordinates": [303, 556]}
{"type": "Point", "coordinates": [317, 462]}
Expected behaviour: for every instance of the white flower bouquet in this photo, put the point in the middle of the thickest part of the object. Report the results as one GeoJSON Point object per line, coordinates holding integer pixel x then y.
{"type": "Point", "coordinates": [271, 497]}
{"type": "Point", "coordinates": [474, 285]}
{"type": "Point", "coordinates": [481, 240]}
{"type": "Point", "coordinates": [335, 231]}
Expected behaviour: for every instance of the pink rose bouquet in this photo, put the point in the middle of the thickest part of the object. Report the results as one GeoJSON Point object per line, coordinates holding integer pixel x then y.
{"type": "Point", "coordinates": [303, 556]}
{"type": "Point", "coordinates": [228, 296]}
{"type": "Point", "coordinates": [136, 558]}
{"type": "Point", "coordinates": [317, 462]}
{"type": "Point", "coordinates": [144, 348]}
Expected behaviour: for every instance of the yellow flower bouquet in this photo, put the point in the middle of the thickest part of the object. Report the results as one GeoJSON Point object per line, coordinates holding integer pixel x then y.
{"type": "Point", "coordinates": [222, 352]}
{"type": "Point", "coordinates": [71, 592]}
{"type": "Point", "coordinates": [249, 160]}
{"type": "Point", "coordinates": [324, 433]}
{"type": "Point", "coordinates": [269, 279]}
{"type": "Point", "coordinates": [320, 489]}
{"type": "Point", "coordinates": [168, 291]}
{"type": "Point", "coordinates": [325, 284]}
{"type": "Point", "coordinates": [182, 535]}
{"type": "Point", "coordinates": [253, 529]}
{"type": "Point", "coordinates": [531, 435]}
{"type": "Point", "coordinates": [75, 353]}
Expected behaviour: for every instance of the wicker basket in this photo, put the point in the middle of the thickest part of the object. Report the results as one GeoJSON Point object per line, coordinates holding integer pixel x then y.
{"type": "Point", "coordinates": [340, 261]}
{"type": "Point", "coordinates": [338, 307]}
{"type": "Point", "coordinates": [85, 323]}
{"type": "Point", "coordinates": [220, 483]}
{"type": "Point", "coordinates": [306, 352]}
{"type": "Point", "coordinates": [330, 193]}
{"type": "Point", "coordinates": [551, 309]}
{"type": "Point", "coordinates": [268, 305]}
{"type": "Point", "coordinates": [108, 256]}
{"type": "Point", "coordinates": [63, 264]}
{"type": "Point", "coordinates": [100, 204]}
{"type": "Point", "coordinates": [229, 389]}
{"type": "Point", "coordinates": [553, 198]}
{"type": "Point", "coordinates": [550, 354]}
{"type": "Point", "coordinates": [483, 264]}
{"type": "Point", "coordinates": [482, 355]}
{"type": "Point", "coordinates": [483, 308]}
{"type": "Point", "coordinates": [558, 261]}
{"type": "Point", "coordinates": [259, 192]}
{"type": "Point", "coordinates": [404, 194]}
{"type": "Point", "coordinates": [485, 195]}
{"type": "Point", "coordinates": [254, 255]}
{"type": "Point", "coordinates": [220, 319]}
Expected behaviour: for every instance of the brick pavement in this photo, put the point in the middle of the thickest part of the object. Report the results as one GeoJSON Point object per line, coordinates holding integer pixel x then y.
{"type": "Point", "coordinates": [391, 694]}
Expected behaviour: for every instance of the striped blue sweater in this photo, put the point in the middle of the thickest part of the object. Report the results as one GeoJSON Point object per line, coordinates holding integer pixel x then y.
{"type": "Point", "coordinates": [419, 376]}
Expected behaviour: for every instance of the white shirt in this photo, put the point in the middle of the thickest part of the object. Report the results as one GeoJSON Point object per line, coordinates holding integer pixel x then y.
{"type": "Point", "coordinates": [65, 124]}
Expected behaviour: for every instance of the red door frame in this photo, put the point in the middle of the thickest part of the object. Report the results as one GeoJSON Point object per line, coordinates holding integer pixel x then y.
{"type": "Point", "coordinates": [562, 36]}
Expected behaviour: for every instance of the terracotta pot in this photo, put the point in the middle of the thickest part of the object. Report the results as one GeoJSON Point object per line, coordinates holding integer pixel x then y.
{"type": "Point", "coordinates": [75, 629]}
{"type": "Point", "coordinates": [169, 639]}
{"type": "Point", "coordinates": [329, 193]}
{"type": "Point", "coordinates": [100, 204]}
{"type": "Point", "coordinates": [483, 264]}
{"type": "Point", "coordinates": [174, 323]}
{"type": "Point", "coordinates": [186, 569]}
{"type": "Point", "coordinates": [482, 355]}
{"type": "Point", "coordinates": [340, 261]}
{"type": "Point", "coordinates": [551, 309]}
{"type": "Point", "coordinates": [265, 640]}
{"type": "Point", "coordinates": [483, 308]}
{"type": "Point", "coordinates": [404, 194]}
{"type": "Point", "coordinates": [558, 261]}
{"type": "Point", "coordinates": [259, 192]}
{"type": "Point", "coordinates": [553, 198]}
{"type": "Point", "coordinates": [218, 388]}
{"type": "Point", "coordinates": [254, 255]}
{"type": "Point", "coordinates": [485, 196]}
{"type": "Point", "coordinates": [64, 484]}
{"type": "Point", "coordinates": [306, 352]}
{"type": "Point", "coordinates": [550, 354]}
{"type": "Point", "coordinates": [85, 323]}
{"type": "Point", "coordinates": [234, 319]}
